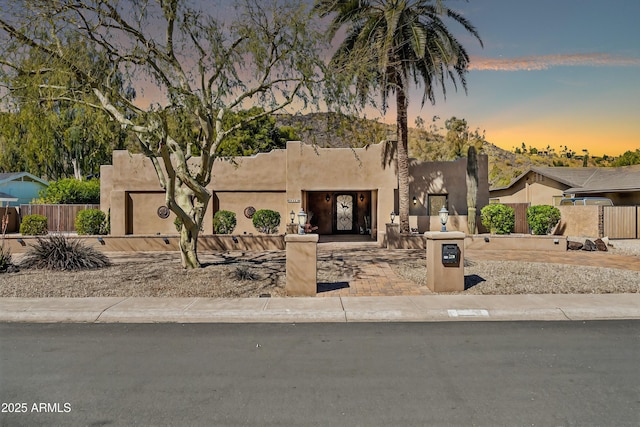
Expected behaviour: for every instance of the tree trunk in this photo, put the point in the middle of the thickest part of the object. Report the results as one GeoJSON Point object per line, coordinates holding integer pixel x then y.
{"type": "Point", "coordinates": [403, 158]}
{"type": "Point", "coordinates": [189, 247]}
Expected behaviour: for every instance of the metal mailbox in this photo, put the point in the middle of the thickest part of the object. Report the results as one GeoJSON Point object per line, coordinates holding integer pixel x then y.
{"type": "Point", "coordinates": [450, 254]}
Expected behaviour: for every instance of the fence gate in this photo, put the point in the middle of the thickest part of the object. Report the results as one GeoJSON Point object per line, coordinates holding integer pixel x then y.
{"type": "Point", "coordinates": [621, 222]}
{"type": "Point", "coordinates": [522, 226]}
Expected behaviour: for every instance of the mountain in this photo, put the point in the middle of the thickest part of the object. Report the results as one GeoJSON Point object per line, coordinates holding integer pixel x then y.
{"type": "Point", "coordinates": [336, 130]}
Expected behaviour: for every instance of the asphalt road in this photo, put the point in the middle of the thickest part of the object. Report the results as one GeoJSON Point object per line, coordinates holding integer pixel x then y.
{"type": "Point", "coordinates": [369, 374]}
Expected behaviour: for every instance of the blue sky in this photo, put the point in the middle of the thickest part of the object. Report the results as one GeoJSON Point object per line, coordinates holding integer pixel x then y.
{"type": "Point", "coordinates": [552, 72]}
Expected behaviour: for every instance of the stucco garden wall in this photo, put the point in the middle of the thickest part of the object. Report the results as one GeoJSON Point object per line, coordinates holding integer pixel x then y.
{"type": "Point", "coordinates": [287, 180]}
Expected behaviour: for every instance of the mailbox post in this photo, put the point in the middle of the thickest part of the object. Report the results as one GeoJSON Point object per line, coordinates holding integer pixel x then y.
{"type": "Point", "coordinates": [445, 261]}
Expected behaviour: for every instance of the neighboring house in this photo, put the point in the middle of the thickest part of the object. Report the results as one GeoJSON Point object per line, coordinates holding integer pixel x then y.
{"type": "Point", "coordinates": [22, 186]}
{"type": "Point", "coordinates": [548, 185]}
{"type": "Point", "coordinates": [349, 191]}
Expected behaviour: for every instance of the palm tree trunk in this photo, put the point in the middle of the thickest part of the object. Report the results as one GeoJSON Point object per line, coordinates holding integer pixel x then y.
{"type": "Point", "coordinates": [403, 158]}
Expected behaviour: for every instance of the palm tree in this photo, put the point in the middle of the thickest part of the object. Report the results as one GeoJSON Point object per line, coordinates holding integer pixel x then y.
{"type": "Point", "coordinates": [389, 42]}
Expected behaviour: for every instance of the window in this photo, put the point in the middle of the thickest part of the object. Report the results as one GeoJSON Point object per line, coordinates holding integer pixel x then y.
{"type": "Point", "coordinates": [436, 202]}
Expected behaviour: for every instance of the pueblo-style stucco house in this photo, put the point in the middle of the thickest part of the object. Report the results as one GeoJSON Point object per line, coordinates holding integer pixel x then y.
{"type": "Point", "coordinates": [349, 191]}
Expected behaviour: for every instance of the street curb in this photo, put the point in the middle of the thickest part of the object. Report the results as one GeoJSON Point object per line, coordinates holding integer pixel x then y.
{"type": "Point", "coordinates": [426, 308]}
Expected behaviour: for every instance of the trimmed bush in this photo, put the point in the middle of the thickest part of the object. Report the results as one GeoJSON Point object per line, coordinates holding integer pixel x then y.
{"type": "Point", "coordinates": [71, 191]}
{"type": "Point", "coordinates": [91, 221]}
{"type": "Point", "coordinates": [34, 225]}
{"type": "Point", "coordinates": [266, 221]}
{"type": "Point", "coordinates": [499, 219]}
{"type": "Point", "coordinates": [542, 218]}
{"type": "Point", "coordinates": [56, 252]}
{"type": "Point", "coordinates": [224, 222]}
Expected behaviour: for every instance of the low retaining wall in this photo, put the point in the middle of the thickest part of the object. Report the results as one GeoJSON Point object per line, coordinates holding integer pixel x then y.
{"type": "Point", "coordinates": [524, 242]}
{"type": "Point", "coordinates": [19, 244]}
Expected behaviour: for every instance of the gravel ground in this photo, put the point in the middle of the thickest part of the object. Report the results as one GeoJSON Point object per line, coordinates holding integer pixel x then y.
{"type": "Point", "coordinates": [515, 277]}
{"type": "Point", "coordinates": [251, 274]}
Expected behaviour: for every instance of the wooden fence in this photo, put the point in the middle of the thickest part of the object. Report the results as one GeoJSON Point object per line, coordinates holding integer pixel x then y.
{"type": "Point", "coordinates": [621, 222]}
{"type": "Point", "coordinates": [59, 217]}
{"type": "Point", "coordinates": [522, 226]}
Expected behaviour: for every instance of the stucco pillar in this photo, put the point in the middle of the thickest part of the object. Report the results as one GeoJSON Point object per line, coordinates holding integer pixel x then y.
{"type": "Point", "coordinates": [118, 213]}
{"type": "Point", "coordinates": [393, 236]}
{"type": "Point", "coordinates": [301, 265]}
{"type": "Point", "coordinates": [445, 273]}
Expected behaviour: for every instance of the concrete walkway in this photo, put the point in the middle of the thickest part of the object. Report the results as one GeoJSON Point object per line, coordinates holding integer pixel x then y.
{"type": "Point", "coordinates": [426, 308]}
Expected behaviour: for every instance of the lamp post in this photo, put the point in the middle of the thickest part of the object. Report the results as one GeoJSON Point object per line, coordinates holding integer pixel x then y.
{"type": "Point", "coordinates": [292, 215]}
{"type": "Point", "coordinates": [393, 216]}
{"type": "Point", "coordinates": [302, 220]}
{"type": "Point", "coordinates": [444, 217]}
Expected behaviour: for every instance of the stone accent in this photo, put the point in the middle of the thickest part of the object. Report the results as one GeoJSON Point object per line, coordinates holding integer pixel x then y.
{"type": "Point", "coordinates": [589, 246]}
{"type": "Point", "coordinates": [601, 245]}
{"type": "Point", "coordinates": [574, 246]}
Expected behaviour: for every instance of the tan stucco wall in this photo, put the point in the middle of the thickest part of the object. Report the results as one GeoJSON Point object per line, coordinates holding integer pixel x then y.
{"type": "Point", "coordinates": [286, 180]}
{"type": "Point", "coordinates": [262, 172]}
{"type": "Point", "coordinates": [143, 213]}
{"type": "Point", "coordinates": [578, 221]}
{"type": "Point", "coordinates": [238, 201]}
{"type": "Point", "coordinates": [531, 188]}
{"type": "Point", "coordinates": [358, 170]}
{"type": "Point", "coordinates": [444, 178]}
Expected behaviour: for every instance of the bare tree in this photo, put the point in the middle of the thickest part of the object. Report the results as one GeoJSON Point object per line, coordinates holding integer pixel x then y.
{"type": "Point", "coordinates": [205, 59]}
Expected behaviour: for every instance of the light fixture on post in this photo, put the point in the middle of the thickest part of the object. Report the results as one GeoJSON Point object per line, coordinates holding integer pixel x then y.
{"type": "Point", "coordinates": [393, 216]}
{"type": "Point", "coordinates": [444, 217]}
{"type": "Point", "coordinates": [415, 201]}
{"type": "Point", "coordinates": [327, 197]}
{"type": "Point", "coordinates": [302, 221]}
{"type": "Point", "coordinates": [292, 215]}
{"type": "Point", "coordinates": [361, 197]}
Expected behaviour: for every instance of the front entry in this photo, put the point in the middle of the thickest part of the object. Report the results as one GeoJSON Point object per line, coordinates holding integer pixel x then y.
{"type": "Point", "coordinates": [340, 212]}
{"type": "Point", "coordinates": [345, 213]}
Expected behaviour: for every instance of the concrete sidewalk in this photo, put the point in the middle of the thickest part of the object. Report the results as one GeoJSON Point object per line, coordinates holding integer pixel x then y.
{"type": "Point", "coordinates": [423, 308]}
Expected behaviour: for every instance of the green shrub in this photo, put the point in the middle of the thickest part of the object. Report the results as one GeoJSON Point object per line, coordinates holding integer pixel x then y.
{"type": "Point", "coordinates": [71, 191]}
{"type": "Point", "coordinates": [91, 221]}
{"type": "Point", "coordinates": [542, 218]}
{"type": "Point", "coordinates": [266, 221]}
{"type": "Point", "coordinates": [56, 252]}
{"type": "Point", "coordinates": [224, 222]}
{"type": "Point", "coordinates": [34, 225]}
{"type": "Point", "coordinates": [499, 219]}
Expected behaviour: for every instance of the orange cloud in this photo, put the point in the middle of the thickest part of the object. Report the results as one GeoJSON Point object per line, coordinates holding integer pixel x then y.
{"type": "Point", "coordinates": [543, 62]}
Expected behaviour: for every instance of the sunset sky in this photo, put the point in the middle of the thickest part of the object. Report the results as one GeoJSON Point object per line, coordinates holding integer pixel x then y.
{"type": "Point", "coordinates": [552, 72]}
